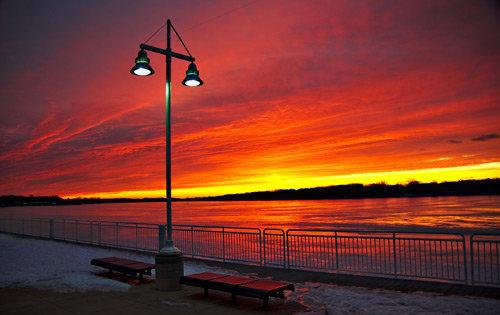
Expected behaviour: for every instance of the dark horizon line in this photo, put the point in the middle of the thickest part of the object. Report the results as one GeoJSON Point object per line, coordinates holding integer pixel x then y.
{"type": "Point", "coordinates": [489, 186]}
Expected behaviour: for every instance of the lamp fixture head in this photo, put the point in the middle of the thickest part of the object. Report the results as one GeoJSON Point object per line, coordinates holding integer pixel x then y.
{"type": "Point", "coordinates": [192, 76]}
{"type": "Point", "coordinates": [142, 67]}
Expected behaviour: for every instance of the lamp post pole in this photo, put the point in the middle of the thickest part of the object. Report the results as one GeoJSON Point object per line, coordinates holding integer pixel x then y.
{"type": "Point", "coordinates": [168, 141]}
{"type": "Point", "coordinates": [169, 267]}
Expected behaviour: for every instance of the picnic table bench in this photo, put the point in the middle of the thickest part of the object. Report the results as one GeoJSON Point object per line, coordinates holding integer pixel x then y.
{"type": "Point", "coordinates": [125, 266]}
{"type": "Point", "coordinates": [236, 285]}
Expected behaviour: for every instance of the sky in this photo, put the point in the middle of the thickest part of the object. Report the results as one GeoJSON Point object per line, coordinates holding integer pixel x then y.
{"type": "Point", "coordinates": [296, 94]}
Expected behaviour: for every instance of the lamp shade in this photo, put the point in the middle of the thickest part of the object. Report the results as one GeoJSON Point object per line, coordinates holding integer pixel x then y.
{"type": "Point", "coordinates": [142, 66]}
{"type": "Point", "coordinates": [192, 76]}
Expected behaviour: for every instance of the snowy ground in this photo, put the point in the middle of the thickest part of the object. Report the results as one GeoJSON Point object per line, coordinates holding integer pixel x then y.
{"type": "Point", "coordinates": [65, 267]}
{"type": "Point", "coordinates": [26, 262]}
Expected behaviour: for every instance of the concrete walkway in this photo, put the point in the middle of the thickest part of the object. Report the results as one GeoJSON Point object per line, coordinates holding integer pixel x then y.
{"type": "Point", "coordinates": [140, 299]}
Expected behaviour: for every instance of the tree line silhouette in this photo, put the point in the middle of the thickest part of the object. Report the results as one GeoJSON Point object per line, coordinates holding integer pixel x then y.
{"type": "Point", "coordinates": [379, 190]}
{"type": "Point", "coordinates": [351, 191]}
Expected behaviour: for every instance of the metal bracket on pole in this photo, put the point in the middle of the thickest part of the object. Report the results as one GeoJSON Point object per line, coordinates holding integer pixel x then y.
{"type": "Point", "coordinates": [165, 52]}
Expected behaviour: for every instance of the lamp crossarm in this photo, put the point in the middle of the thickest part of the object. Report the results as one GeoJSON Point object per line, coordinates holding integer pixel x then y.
{"type": "Point", "coordinates": [165, 52]}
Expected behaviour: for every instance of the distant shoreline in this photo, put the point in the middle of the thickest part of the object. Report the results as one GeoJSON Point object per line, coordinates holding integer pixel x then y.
{"type": "Point", "coordinates": [484, 187]}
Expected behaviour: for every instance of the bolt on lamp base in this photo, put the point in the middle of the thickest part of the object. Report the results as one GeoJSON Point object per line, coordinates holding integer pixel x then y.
{"type": "Point", "coordinates": [169, 268]}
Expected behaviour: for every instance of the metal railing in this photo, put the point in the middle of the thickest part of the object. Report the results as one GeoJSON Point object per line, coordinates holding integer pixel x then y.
{"type": "Point", "coordinates": [485, 259]}
{"type": "Point", "coordinates": [449, 257]}
{"type": "Point", "coordinates": [231, 244]}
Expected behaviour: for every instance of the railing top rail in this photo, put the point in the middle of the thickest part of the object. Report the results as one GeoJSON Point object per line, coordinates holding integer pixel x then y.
{"type": "Point", "coordinates": [108, 222]}
{"type": "Point", "coordinates": [15, 218]}
{"type": "Point", "coordinates": [273, 229]}
{"type": "Point", "coordinates": [485, 234]}
{"type": "Point", "coordinates": [216, 227]}
{"type": "Point", "coordinates": [375, 231]}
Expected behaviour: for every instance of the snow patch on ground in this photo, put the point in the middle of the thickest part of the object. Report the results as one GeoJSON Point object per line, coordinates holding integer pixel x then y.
{"type": "Point", "coordinates": [27, 262]}
{"type": "Point", "coordinates": [332, 299]}
{"type": "Point", "coordinates": [44, 264]}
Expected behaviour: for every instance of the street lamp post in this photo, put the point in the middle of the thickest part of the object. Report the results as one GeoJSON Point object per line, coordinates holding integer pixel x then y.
{"type": "Point", "coordinates": [169, 265]}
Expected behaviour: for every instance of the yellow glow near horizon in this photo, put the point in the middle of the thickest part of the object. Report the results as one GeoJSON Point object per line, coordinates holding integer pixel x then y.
{"type": "Point", "coordinates": [276, 181]}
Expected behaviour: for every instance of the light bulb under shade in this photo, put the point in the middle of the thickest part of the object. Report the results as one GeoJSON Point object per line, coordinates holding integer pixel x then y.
{"type": "Point", "coordinates": [192, 82]}
{"type": "Point", "coordinates": [142, 71]}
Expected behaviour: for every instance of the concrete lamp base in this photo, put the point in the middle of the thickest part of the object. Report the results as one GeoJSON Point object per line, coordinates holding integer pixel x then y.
{"type": "Point", "coordinates": [169, 268]}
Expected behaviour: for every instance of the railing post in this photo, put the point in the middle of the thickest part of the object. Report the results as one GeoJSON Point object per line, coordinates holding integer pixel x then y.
{"type": "Point", "coordinates": [472, 259]}
{"type": "Point", "coordinates": [336, 253]}
{"type": "Point", "coordinates": [394, 254]}
{"type": "Point", "coordinates": [284, 249]}
{"type": "Point", "coordinates": [116, 233]}
{"type": "Point", "coordinates": [136, 235]}
{"type": "Point", "coordinates": [161, 236]}
{"type": "Point", "coordinates": [260, 247]}
{"type": "Point", "coordinates": [223, 246]}
{"type": "Point", "coordinates": [51, 228]}
{"type": "Point", "coordinates": [91, 233]}
{"type": "Point", "coordinates": [192, 242]}
{"type": "Point", "coordinates": [99, 233]}
{"type": "Point", "coordinates": [263, 247]}
{"type": "Point", "coordinates": [465, 260]}
{"type": "Point", "coordinates": [287, 251]}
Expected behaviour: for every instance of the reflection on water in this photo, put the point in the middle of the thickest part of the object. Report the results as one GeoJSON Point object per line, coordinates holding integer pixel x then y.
{"type": "Point", "coordinates": [462, 213]}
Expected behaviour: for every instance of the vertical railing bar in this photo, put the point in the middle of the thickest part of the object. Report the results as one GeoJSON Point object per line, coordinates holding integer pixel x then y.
{"type": "Point", "coordinates": [136, 236]}
{"type": "Point", "coordinates": [360, 249]}
{"type": "Point", "coordinates": [447, 261]}
{"type": "Point", "coordinates": [287, 250]}
{"type": "Point", "coordinates": [192, 242]}
{"type": "Point", "coordinates": [264, 247]}
{"type": "Point", "coordinates": [441, 262]}
{"type": "Point", "coordinates": [498, 262]}
{"type": "Point", "coordinates": [472, 258]}
{"type": "Point", "coordinates": [464, 252]}
{"type": "Point", "coordinates": [430, 258]}
{"type": "Point", "coordinates": [260, 247]}
{"type": "Point", "coordinates": [402, 254]}
{"type": "Point", "coordinates": [484, 260]}
{"type": "Point", "coordinates": [394, 254]}
{"type": "Point", "coordinates": [91, 232]}
{"type": "Point", "coordinates": [385, 255]}
{"type": "Point", "coordinates": [116, 234]}
{"type": "Point", "coordinates": [432, 261]}
{"type": "Point", "coordinates": [99, 233]}
{"type": "Point", "coordinates": [425, 259]}
{"type": "Point", "coordinates": [436, 262]}
{"type": "Point", "coordinates": [285, 246]}
{"type": "Point", "coordinates": [356, 251]}
{"type": "Point", "coordinates": [453, 259]}
{"type": "Point", "coordinates": [336, 252]}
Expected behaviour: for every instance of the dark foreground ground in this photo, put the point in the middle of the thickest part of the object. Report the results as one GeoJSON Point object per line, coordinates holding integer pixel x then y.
{"type": "Point", "coordinates": [141, 299]}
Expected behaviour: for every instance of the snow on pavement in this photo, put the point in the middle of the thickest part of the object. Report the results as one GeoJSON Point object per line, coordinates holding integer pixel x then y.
{"type": "Point", "coordinates": [332, 299]}
{"type": "Point", "coordinates": [64, 267]}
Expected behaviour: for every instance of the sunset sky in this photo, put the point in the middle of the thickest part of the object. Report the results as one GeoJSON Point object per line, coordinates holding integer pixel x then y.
{"type": "Point", "coordinates": [296, 94]}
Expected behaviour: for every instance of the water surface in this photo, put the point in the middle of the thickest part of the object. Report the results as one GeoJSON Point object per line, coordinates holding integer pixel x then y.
{"type": "Point", "coordinates": [449, 213]}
